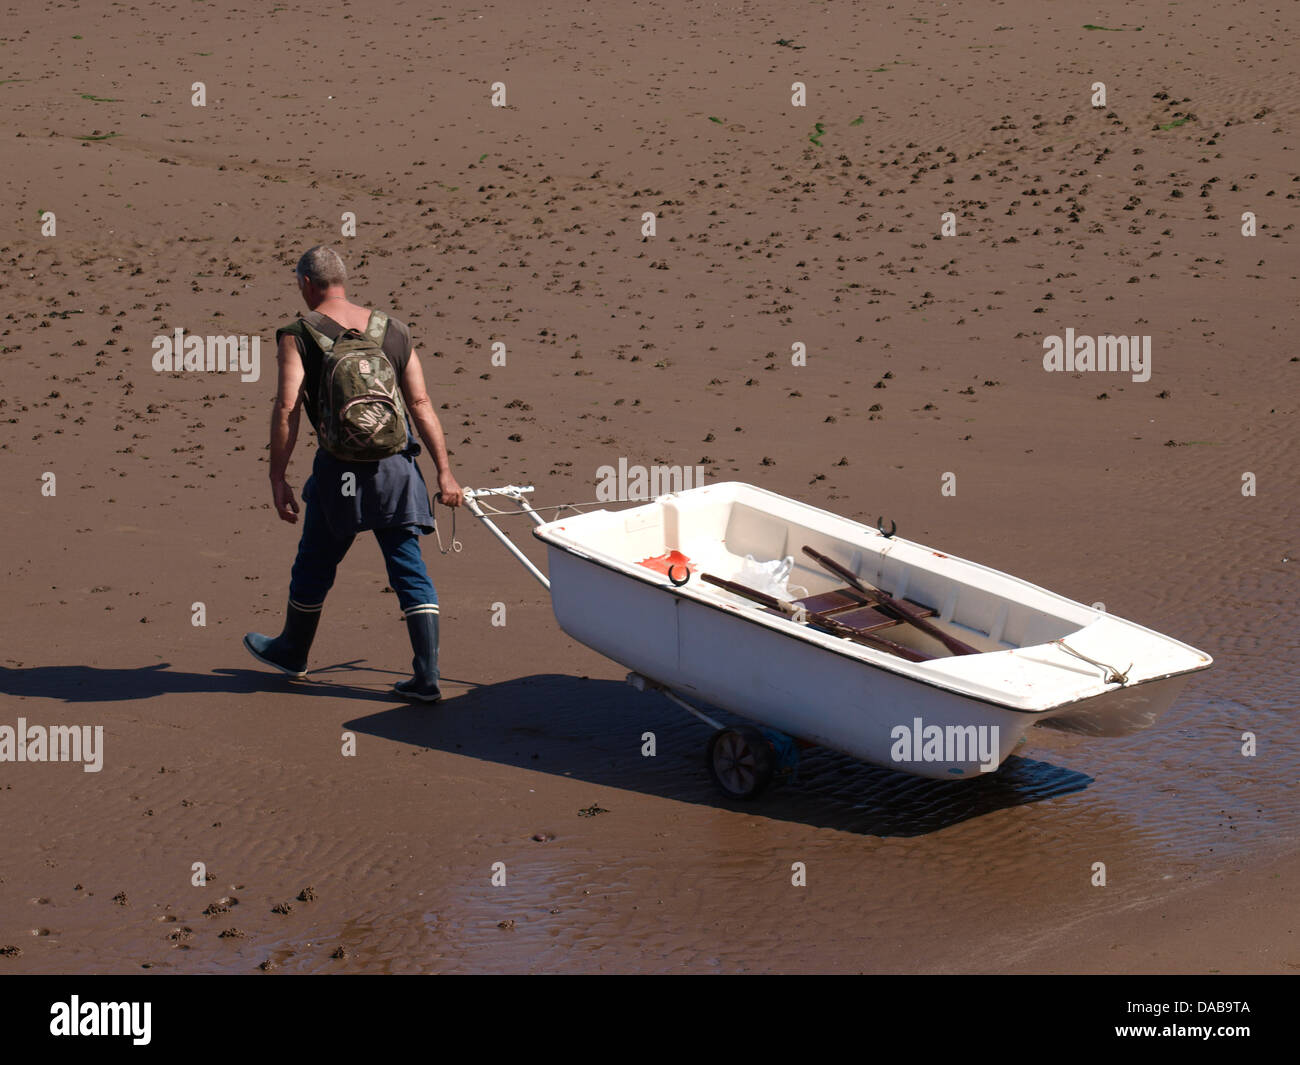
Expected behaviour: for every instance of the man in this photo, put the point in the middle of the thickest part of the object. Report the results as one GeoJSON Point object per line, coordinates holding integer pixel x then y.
{"type": "Point", "coordinates": [344, 498]}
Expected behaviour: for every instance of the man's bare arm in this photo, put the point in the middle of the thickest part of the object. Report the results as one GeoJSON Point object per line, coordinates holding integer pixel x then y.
{"type": "Point", "coordinates": [285, 416]}
{"type": "Point", "coordinates": [426, 423]}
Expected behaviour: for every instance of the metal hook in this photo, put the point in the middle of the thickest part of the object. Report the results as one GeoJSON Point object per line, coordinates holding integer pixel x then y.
{"type": "Point", "coordinates": [880, 527]}
{"type": "Point", "coordinates": [674, 581]}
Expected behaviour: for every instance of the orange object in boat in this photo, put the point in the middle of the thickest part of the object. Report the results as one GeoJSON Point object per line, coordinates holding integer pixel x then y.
{"type": "Point", "coordinates": [662, 563]}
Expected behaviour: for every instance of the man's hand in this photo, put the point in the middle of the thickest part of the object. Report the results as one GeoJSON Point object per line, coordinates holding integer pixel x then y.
{"type": "Point", "coordinates": [284, 425]}
{"type": "Point", "coordinates": [451, 494]}
{"type": "Point", "coordinates": [285, 504]}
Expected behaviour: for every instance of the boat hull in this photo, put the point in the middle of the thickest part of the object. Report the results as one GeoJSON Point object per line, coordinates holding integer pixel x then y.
{"type": "Point", "coordinates": [656, 589]}
{"type": "Point", "coordinates": [1121, 712]}
{"type": "Point", "coordinates": [725, 659]}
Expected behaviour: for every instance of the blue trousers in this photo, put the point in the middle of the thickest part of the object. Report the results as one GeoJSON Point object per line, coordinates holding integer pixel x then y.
{"type": "Point", "coordinates": [321, 550]}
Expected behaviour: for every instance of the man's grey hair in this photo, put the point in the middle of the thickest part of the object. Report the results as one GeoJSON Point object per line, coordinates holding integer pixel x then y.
{"type": "Point", "coordinates": [322, 266]}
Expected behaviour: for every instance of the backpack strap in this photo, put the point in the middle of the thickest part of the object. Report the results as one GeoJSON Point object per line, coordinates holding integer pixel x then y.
{"type": "Point", "coordinates": [328, 332]}
{"type": "Point", "coordinates": [377, 327]}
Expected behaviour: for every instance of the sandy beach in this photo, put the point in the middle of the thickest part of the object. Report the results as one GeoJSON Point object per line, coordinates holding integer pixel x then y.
{"type": "Point", "coordinates": [342, 830]}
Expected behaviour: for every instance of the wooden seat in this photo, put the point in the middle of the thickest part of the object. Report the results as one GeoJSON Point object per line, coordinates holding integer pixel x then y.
{"type": "Point", "coordinates": [864, 619]}
{"type": "Point", "coordinates": [853, 609]}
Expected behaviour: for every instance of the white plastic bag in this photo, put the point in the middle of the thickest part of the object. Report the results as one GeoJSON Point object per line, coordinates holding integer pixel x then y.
{"type": "Point", "coordinates": [771, 578]}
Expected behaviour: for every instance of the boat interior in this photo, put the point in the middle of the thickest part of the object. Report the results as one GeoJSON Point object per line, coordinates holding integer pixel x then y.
{"type": "Point", "coordinates": [710, 531]}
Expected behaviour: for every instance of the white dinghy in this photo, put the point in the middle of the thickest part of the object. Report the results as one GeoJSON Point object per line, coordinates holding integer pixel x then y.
{"type": "Point", "coordinates": [824, 631]}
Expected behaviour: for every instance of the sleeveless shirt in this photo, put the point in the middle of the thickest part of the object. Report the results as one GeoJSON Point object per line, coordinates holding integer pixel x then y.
{"type": "Point", "coordinates": [378, 495]}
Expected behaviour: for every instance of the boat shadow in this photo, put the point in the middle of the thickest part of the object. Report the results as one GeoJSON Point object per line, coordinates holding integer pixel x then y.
{"type": "Point", "coordinates": [596, 731]}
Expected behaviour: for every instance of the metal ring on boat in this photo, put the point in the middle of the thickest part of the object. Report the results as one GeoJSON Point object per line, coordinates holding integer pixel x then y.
{"type": "Point", "coordinates": [674, 581]}
{"type": "Point", "coordinates": [880, 527]}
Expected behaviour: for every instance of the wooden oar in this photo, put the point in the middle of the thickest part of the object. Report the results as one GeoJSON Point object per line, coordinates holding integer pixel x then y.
{"type": "Point", "coordinates": [797, 613]}
{"type": "Point", "coordinates": [891, 605]}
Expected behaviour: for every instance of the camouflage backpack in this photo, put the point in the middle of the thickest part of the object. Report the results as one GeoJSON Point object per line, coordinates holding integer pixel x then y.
{"type": "Point", "coordinates": [359, 408]}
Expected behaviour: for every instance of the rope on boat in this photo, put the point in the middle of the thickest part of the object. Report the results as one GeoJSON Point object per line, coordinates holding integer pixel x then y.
{"type": "Point", "coordinates": [554, 506]}
{"type": "Point", "coordinates": [1115, 677]}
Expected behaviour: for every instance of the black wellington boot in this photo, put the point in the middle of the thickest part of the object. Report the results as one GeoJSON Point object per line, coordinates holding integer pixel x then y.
{"type": "Point", "coordinates": [288, 651]}
{"type": "Point", "coordinates": [422, 625]}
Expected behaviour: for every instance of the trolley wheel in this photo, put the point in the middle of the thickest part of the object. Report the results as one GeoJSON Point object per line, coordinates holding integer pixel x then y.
{"type": "Point", "coordinates": [741, 761]}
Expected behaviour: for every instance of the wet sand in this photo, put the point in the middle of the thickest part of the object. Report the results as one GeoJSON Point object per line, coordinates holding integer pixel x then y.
{"type": "Point", "coordinates": [523, 224]}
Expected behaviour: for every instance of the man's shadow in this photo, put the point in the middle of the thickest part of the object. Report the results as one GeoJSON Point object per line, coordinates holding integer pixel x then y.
{"type": "Point", "coordinates": [92, 684]}
{"type": "Point", "coordinates": [597, 731]}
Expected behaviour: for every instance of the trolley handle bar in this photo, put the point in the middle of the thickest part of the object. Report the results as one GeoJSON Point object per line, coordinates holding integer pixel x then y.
{"type": "Point", "coordinates": [515, 492]}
